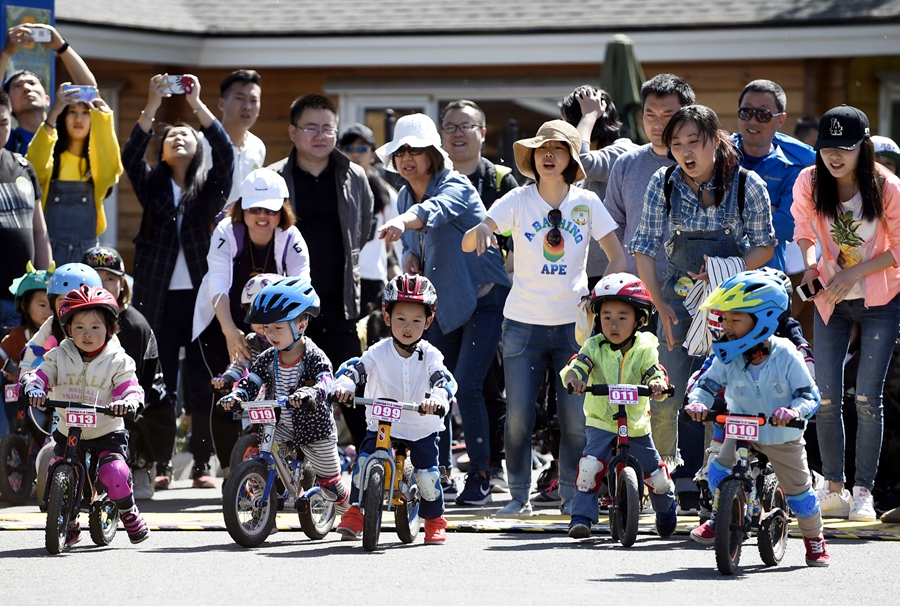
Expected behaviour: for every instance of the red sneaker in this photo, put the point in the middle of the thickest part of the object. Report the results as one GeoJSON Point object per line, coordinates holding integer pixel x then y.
{"type": "Point", "coordinates": [705, 533]}
{"type": "Point", "coordinates": [436, 531]}
{"type": "Point", "coordinates": [351, 526]}
{"type": "Point", "coordinates": [816, 553]}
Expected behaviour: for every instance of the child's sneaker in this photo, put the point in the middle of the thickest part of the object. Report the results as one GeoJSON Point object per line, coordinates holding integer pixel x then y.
{"type": "Point", "coordinates": [705, 533]}
{"type": "Point", "coordinates": [551, 493]}
{"type": "Point", "coordinates": [579, 528]}
{"type": "Point", "coordinates": [816, 553]}
{"type": "Point", "coordinates": [165, 474]}
{"type": "Point", "coordinates": [201, 477]}
{"type": "Point", "coordinates": [863, 508]}
{"type": "Point", "coordinates": [73, 534]}
{"type": "Point", "coordinates": [834, 504]}
{"type": "Point", "coordinates": [436, 531]}
{"type": "Point", "coordinates": [666, 522]}
{"type": "Point", "coordinates": [135, 526]}
{"type": "Point", "coordinates": [351, 526]}
{"type": "Point", "coordinates": [477, 490]}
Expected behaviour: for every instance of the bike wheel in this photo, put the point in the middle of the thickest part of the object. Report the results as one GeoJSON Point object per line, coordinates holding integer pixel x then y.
{"type": "Point", "coordinates": [61, 506]}
{"type": "Point", "coordinates": [16, 469]}
{"type": "Point", "coordinates": [729, 526]}
{"type": "Point", "coordinates": [103, 522]}
{"type": "Point", "coordinates": [246, 448]}
{"type": "Point", "coordinates": [248, 518]}
{"type": "Point", "coordinates": [406, 517]}
{"type": "Point", "coordinates": [373, 499]}
{"type": "Point", "coordinates": [773, 531]}
{"type": "Point", "coordinates": [628, 507]}
{"type": "Point", "coordinates": [317, 516]}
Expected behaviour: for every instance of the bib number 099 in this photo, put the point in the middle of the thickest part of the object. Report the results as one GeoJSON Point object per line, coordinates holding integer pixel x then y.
{"type": "Point", "coordinates": [386, 411]}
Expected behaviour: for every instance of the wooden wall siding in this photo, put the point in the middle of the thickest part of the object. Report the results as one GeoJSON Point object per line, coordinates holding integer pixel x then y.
{"type": "Point", "coordinates": [811, 86]}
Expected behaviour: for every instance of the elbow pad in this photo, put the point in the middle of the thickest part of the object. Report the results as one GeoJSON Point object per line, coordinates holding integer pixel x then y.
{"type": "Point", "coordinates": [581, 365]}
{"type": "Point", "coordinates": [442, 379]}
{"type": "Point", "coordinates": [709, 386]}
{"type": "Point", "coordinates": [354, 369]}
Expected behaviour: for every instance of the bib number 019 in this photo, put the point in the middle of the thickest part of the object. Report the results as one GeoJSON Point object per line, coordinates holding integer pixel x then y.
{"type": "Point", "coordinates": [738, 428]}
{"type": "Point", "coordinates": [263, 415]}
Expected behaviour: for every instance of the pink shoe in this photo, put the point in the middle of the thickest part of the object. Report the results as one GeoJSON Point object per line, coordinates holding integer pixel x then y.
{"type": "Point", "coordinates": [705, 533]}
{"type": "Point", "coordinates": [816, 553]}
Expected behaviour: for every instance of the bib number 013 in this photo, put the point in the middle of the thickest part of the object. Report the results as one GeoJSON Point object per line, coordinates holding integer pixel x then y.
{"type": "Point", "coordinates": [623, 394]}
{"type": "Point", "coordinates": [738, 428]}
{"type": "Point", "coordinates": [81, 417]}
{"type": "Point", "coordinates": [386, 411]}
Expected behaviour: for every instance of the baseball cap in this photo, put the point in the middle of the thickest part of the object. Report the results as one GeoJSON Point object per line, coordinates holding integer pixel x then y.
{"type": "Point", "coordinates": [105, 257]}
{"type": "Point", "coordinates": [361, 131]}
{"type": "Point", "coordinates": [843, 127]}
{"type": "Point", "coordinates": [885, 146]}
{"type": "Point", "coordinates": [264, 188]}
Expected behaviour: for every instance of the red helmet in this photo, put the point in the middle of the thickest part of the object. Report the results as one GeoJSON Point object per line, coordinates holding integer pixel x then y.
{"type": "Point", "coordinates": [413, 289]}
{"type": "Point", "coordinates": [87, 297]}
{"type": "Point", "coordinates": [623, 287]}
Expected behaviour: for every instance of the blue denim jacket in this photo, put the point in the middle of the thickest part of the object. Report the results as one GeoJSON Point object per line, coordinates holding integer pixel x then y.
{"type": "Point", "coordinates": [450, 207]}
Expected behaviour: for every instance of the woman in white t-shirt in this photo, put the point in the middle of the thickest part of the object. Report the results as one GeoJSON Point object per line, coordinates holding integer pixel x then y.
{"type": "Point", "coordinates": [551, 223]}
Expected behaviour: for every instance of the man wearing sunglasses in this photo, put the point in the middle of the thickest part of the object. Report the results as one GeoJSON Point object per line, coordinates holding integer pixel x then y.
{"type": "Point", "coordinates": [774, 156]}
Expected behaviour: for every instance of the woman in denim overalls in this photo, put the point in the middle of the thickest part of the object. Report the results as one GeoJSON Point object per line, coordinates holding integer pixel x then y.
{"type": "Point", "coordinates": [76, 164]}
{"type": "Point", "coordinates": [704, 221]}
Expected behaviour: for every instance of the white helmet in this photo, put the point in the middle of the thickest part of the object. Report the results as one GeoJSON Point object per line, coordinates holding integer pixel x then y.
{"type": "Point", "coordinates": [255, 285]}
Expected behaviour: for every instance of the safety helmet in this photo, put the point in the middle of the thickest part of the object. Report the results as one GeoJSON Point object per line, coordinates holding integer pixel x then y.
{"type": "Point", "coordinates": [255, 285]}
{"type": "Point", "coordinates": [283, 301]}
{"type": "Point", "coordinates": [33, 279]}
{"type": "Point", "coordinates": [781, 276]}
{"type": "Point", "coordinates": [757, 293]}
{"type": "Point", "coordinates": [105, 257]}
{"type": "Point", "coordinates": [410, 289]}
{"type": "Point", "coordinates": [72, 276]}
{"type": "Point", "coordinates": [87, 297]}
{"type": "Point", "coordinates": [623, 287]}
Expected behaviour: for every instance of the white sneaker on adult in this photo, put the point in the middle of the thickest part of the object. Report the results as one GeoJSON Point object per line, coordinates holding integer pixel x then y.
{"type": "Point", "coordinates": [143, 488]}
{"type": "Point", "coordinates": [834, 504]}
{"type": "Point", "coordinates": [863, 505]}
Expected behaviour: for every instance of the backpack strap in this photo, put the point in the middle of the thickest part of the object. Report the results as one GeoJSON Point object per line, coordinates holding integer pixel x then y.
{"type": "Point", "coordinates": [501, 171]}
{"type": "Point", "coordinates": [667, 188]}
{"type": "Point", "coordinates": [742, 181]}
{"type": "Point", "coordinates": [239, 229]}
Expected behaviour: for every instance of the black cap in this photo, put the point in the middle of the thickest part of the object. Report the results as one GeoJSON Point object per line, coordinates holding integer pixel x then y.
{"type": "Point", "coordinates": [844, 127]}
{"type": "Point", "coordinates": [360, 131]}
{"type": "Point", "coordinates": [105, 257]}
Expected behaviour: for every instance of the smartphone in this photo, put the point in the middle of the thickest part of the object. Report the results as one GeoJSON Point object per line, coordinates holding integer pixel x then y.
{"type": "Point", "coordinates": [177, 85]}
{"type": "Point", "coordinates": [39, 34]}
{"type": "Point", "coordinates": [808, 291]}
{"type": "Point", "coordinates": [85, 92]}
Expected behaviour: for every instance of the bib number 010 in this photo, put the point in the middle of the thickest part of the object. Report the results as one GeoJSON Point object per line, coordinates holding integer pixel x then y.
{"type": "Point", "coordinates": [737, 428]}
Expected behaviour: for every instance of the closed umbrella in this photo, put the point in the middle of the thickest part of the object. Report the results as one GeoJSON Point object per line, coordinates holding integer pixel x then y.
{"type": "Point", "coordinates": [622, 77]}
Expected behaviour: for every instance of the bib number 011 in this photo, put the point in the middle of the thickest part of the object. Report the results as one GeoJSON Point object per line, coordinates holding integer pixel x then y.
{"type": "Point", "coordinates": [386, 411]}
{"type": "Point", "coordinates": [738, 428]}
{"type": "Point", "coordinates": [623, 394]}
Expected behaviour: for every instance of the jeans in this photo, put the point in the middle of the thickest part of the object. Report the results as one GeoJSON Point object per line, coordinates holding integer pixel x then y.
{"type": "Point", "coordinates": [9, 317]}
{"type": "Point", "coordinates": [468, 353]}
{"type": "Point", "coordinates": [528, 349]}
{"type": "Point", "coordinates": [878, 333]}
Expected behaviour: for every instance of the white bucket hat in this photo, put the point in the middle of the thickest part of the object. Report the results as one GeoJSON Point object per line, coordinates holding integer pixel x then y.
{"type": "Point", "coordinates": [264, 188]}
{"type": "Point", "coordinates": [415, 130]}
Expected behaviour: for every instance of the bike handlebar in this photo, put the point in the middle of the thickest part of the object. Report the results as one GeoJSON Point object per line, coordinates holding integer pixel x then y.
{"type": "Point", "coordinates": [760, 419]}
{"type": "Point", "coordinates": [602, 389]}
{"type": "Point", "coordinates": [440, 412]}
{"type": "Point", "coordinates": [104, 410]}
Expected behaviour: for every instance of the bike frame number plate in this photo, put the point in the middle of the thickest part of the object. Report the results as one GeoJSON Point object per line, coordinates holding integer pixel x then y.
{"type": "Point", "coordinates": [262, 415]}
{"type": "Point", "coordinates": [386, 411]}
{"type": "Point", "coordinates": [11, 392]}
{"type": "Point", "coordinates": [623, 394]}
{"type": "Point", "coordinates": [738, 428]}
{"type": "Point", "coordinates": [81, 417]}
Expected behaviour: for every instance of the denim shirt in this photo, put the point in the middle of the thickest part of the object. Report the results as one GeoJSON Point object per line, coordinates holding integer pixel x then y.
{"type": "Point", "coordinates": [451, 206]}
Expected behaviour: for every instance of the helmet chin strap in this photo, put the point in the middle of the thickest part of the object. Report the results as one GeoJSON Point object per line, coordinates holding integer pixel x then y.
{"type": "Point", "coordinates": [296, 334]}
{"type": "Point", "coordinates": [630, 340]}
{"type": "Point", "coordinates": [411, 348]}
{"type": "Point", "coordinates": [757, 351]}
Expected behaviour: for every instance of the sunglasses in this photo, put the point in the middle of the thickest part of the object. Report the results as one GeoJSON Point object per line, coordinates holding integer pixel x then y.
{"type": "Point", "coordinates": [358, 149]}
{"type": "Point", "coordinates": [255, 210]}
{"type": "Point", "coordinates": [763, 116]}
{"type": "Point", "coordinates": [554, 217]}
{"type": "Point", "coordinates": [406, 149]}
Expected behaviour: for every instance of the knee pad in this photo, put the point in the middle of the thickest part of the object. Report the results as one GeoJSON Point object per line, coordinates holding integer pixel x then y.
{"type": "Point", "coordinates": [718, 436]}
{"type": "Point", "coordinates": [804, 505]}
{"type": "Point", "coordinates": [590, 472]}
{"type": "Point", "coordinates": [429, 483]}
{"type": "Point", "coordinates": [715, 473]}
{"type": "Point", "coordinates": [659, 481]}
{"type": "Point", "coordinates": [115, 474]}
{"type": "Point", "coordinates": [356, 479]}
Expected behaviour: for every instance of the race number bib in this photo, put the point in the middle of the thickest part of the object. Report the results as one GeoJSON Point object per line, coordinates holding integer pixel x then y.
{"type": "Point", "coordinates": [11, 392]}
{"type": "Point", "coordinates": [81, 417]}
{"type": "Point", "coordinates": [739, 428]}
{"type": "Point", "coordinates": [386, 411]}
{"type": "Point", "coordinates": [623, 394]}
{"type": "Point", "coordinates": [262, 415]}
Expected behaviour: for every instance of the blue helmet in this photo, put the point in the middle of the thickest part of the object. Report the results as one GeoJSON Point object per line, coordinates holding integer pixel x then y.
{"type": "Point", "coordinates": [284, 301]}
{"type": "Point", "coordinates": [72, 276]}
{"type": "Point", "coordinates": [757, 293]}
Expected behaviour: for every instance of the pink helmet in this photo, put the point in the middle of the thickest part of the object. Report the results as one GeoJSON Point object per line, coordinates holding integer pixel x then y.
{"type": "Point", "coordinates": [255, 285]}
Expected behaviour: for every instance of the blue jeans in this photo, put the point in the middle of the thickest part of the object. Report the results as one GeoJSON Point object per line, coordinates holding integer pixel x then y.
{"type": "Point", "coordinates": [600, 444]}
{"type": "Point", "coordinates": [468, 352]}
{"type": "Point", "coordinates": [878, 333]}
{"type": "Point", "coordinates": [528, 349]}
{"type": "Point", "coordinates": [9, 317]}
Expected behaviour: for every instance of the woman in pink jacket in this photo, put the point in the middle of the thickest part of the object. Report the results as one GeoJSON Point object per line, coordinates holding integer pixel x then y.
{"type": "Point", "coordinates": [847, 223]}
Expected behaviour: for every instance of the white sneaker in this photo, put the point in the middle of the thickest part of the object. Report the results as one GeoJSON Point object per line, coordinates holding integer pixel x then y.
{"type": "Point", "coordinates": [863, 507]}
{"type": "Point", "coordinates": [143, 488]}
{"type": "Point", "coordinates": [834, 504]}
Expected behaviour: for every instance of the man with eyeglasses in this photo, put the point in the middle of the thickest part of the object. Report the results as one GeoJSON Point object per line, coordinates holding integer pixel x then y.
{"type": "Point", "coordinates": [774, 156]}
{"type": "Point", "coordinates": [334, 207]}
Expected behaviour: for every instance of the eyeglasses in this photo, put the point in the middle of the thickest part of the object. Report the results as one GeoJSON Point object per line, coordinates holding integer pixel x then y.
{"type": "Point", "coordinates": [328, 131]}
{"type": "Point", "coordinates": [452, 128]}
{"type": "Point", "coordinates": [357, 149]}
{"type": "Point", "coordinates": [763, 116]}
{"type": "Point", "coordinates": [255, 210]}
{"type": "Point", "coordinates": [406, 149]}
{"type": "Point", "coordinates": [554, 217]}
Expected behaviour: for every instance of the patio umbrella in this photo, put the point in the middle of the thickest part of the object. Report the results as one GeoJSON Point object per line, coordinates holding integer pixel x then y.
{"type": "Point", "coordinates": [622, 77]}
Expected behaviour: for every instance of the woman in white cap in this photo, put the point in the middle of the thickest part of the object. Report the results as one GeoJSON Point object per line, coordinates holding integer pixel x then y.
{"type": "Point", "coordinates": [551, 224]}
{"type": "Point", "coordinates": [847, 223]}
{"type": "Point", "coordinates": [437, 207]}
{"type": "Point", "coordinates": [887, 153]}
{"type": "Point", "coordinates": [257, 236]}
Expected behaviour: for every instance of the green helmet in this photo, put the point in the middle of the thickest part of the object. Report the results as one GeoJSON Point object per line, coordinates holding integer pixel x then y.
{"type": "Point", "coordinates": [34, 279]}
